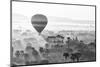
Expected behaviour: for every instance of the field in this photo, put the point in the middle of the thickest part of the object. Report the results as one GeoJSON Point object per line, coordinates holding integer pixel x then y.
{"type": "Point", "coordinates": [26, 46]}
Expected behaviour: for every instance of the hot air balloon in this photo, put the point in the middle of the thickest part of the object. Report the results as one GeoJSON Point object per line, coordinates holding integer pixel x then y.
{"type": "Point", "coordinates": [39, 22]}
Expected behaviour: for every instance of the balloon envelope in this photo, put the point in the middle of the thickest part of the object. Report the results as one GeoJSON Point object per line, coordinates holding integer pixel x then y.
{"type": "Point", "coordinates": [39, 22]}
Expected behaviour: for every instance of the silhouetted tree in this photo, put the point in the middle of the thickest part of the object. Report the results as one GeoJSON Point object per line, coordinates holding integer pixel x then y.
{"type": "Point", "coordinates": [66, 55]}
{"type": "Point", "coordinates": [81, 41]}
{"type": "Point", "coordinates": [34, 51]}
{"type": "Point", "coordinates": [22, 52]}
{"type": "Point", "coordinates": [78, 55]}
{"type": "Point", "coordinates": [75, 56]}
{"type": "Point", "coordinates": [41, 49]}
{"type": "Point", "coordinates": [17, 53]}
{"type": "Point", "coordinates": [92, 44]}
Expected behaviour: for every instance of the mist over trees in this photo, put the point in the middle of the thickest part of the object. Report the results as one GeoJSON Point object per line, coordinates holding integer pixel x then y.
{"type": "Point", "coordinates": [58, 47]}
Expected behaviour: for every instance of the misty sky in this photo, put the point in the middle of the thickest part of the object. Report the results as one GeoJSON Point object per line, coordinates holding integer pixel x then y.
{"type": "Point", "coordinates": [60, 17]}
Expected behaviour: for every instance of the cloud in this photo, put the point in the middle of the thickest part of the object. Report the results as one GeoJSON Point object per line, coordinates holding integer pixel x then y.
{"type": "Point", "coordinates": [69, 20]}
{"type": "Point", "coordinates": [18, 18]}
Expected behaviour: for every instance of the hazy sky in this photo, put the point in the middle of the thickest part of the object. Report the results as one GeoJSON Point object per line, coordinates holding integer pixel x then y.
{"type": "Point", "coordinates": [60, 17]}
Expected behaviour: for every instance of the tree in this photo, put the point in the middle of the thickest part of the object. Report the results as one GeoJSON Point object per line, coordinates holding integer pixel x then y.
{"type": "Point", "coordinates": [22, 52]}
{"type": "Point", "coordinates": [68, 38]}
{"type": "Point", "coordinates": [26, 56]}
{"type": "Point", "coordinates": [17, 53]}
{"type": "Point", "coordinates": [66, 55]}
{"type": "Point", "coordinates": [34, 52]}
{"type": "Point", "coordinates": [92, 44]}
{"type": "Point", "coordinates": [46, 46]}
{"type": "Point", "coordinates": [75, 56]}
{"type": "Point", "coordinates": [41, 49]}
